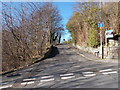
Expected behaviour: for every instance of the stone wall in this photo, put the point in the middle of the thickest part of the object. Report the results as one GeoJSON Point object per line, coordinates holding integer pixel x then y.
{"type": "Point", "coordinates": [110, 52]}
{"type": "Point", "coordinates": [94, 51]}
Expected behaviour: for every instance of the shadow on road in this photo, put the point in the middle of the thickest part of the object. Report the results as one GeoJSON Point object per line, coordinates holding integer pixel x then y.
{"type": "Point", "coordinates": [54, 52]}
{"type": "Point", "coordinates": [14, 75]}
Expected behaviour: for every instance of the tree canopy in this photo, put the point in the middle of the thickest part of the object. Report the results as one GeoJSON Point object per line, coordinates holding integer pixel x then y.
{"type": "Point", "coordinates": [83, 23]}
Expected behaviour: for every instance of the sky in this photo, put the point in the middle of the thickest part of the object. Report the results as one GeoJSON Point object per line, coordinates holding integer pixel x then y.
{"type": "Point", "coordinates": [66, 11]}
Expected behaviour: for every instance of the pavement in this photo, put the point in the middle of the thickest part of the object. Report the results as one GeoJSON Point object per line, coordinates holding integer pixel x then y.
{"type": "Point", "coordinates": [68, 67]}
{"type": "Point", "coordinates": [90, 56]}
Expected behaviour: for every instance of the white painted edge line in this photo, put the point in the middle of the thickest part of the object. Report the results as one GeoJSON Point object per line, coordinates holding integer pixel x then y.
{"type": "Point", "coordinates": [67, 74]}
{"type": "Point", "coordinates": [47, 77]}
{"type": "Point", "coordinates": [30, 82]}
{"type": "Point", "coordinates": [87, 72]}
{"type": "Point", "coordinates": [105, 73]}
{"type": "Point", "coordinates": [46, 80]}
{"type": "Point", "coordinates": [85, 56]}
{"type": "Point", "coordinates": [82, 55]}
{"type": "Point", "coordinates": [105, 70]}
{"type": "Point", "coordinates": [67, 77]}
{"type": "Point", "coordinates": [6, 86]}
{"type": "Point", "coordinates": [89, 75]}
{"type": "Point", "coordinates": [29, 79]}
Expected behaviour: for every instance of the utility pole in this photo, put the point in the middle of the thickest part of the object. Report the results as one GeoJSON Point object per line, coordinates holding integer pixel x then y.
{"type": "Point", "coordinates": [101, 44]}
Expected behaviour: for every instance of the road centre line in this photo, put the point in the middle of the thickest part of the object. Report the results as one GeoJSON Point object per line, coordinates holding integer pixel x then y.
{"type": "Point", "coordinates": [105, 70]}
{"type": "Point", "coordinates": [44, 77]}
{"type": "Point", "coordinates": [69, 74]}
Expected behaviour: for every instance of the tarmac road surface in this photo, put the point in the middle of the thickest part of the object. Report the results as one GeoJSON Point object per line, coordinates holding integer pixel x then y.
{"type": "Point", "coordinates": [67, 67]}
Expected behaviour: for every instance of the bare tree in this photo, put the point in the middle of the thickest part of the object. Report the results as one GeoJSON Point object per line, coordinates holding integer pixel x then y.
{"type": "Point", "coordinates": [27, 31]}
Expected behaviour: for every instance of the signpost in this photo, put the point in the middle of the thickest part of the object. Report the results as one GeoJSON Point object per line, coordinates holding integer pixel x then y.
{"type": "Point", "coordinates": [109, 33]}
{"type": "Point", "coordinates": [101, 25]}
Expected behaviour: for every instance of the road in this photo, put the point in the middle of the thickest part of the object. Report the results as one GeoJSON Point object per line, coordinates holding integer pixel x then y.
{"type": "Point", "coordinates": [66, 68]}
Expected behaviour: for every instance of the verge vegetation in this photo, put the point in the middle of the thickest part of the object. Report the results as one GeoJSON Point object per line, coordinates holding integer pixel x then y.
{"type": "Point", "coordinates": [83, 23]}
{"type": "Point", "coordinates": [27, 33]}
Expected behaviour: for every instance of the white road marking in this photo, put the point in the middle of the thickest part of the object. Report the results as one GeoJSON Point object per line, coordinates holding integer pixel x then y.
{"type": "Point", "coordinates": [46, 80]}
{"type": "Point", "coordinates": [82, 55]}
{"type": "Point", "coordinates": [89, 75]}
{"type": "Point", "coordinates": [105, 73]}
{"type": "Point", "coordinates": [87, 72]}
{"type": "Point", "coordinates": [29, 79]}
{"type": "Point", "coordinates": [67, 77]}
{"type": "Point", "coordinates": [47, 77]}
{"type": "Point", "coordinates": [105, 70]}
{"type": "Point", "coordinates": [85, 56]}
{"type": "Point", "coordinates": [28, 69]}
{"type": "Point", "coordinates": [6, 86]}
{"type": "Point", "coordinates": [67, 74]}
{"type": "Point", "coordinates": [39, 84]}
{"type": "Point", "coordinates": [30, 82]}
{"type": "Point", "coordinates": [24, 83]}
{"type": "Point", "coordinates": [113, 72]}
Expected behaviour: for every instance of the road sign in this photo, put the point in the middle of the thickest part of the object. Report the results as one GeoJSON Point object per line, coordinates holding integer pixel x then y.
{"type": "Point", "coordinates": [109, 33]}
{"type": "Point", "coordinates": [100, 24]}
